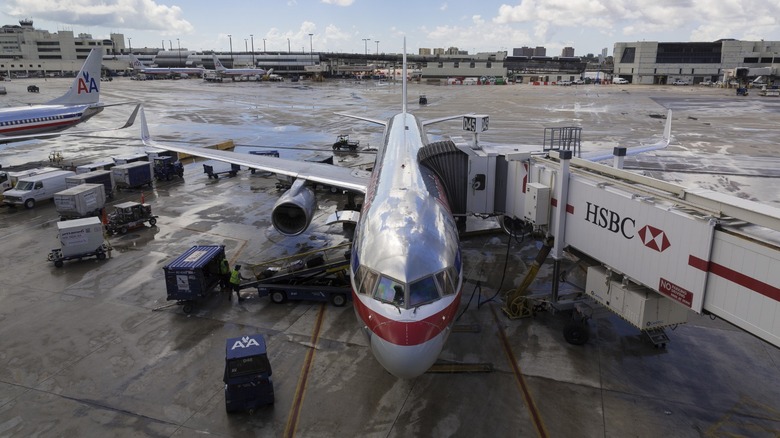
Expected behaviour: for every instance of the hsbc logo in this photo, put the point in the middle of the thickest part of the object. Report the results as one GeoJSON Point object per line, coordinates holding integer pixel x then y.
{"type": "Point", "coordinates": [625, 226]}
{"type": "Point", "coordinates": [654, 238]}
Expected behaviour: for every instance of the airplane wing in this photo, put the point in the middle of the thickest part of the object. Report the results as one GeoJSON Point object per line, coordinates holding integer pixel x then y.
{"type": "Point", "coordinates": [663, 143]}
{"type": "Point", "coordinates": [130, 121]}
{"type": "Point", "coordinates": [343, 177]}
{"type": "Point", "coordinates": [363, 118]}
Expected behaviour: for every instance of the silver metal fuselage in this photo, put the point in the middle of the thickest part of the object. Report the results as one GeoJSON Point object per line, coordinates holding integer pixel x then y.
{"type": "Point", "coordinates": [406, 232]}
{"type": "Point", "coordinates": [39, 119]}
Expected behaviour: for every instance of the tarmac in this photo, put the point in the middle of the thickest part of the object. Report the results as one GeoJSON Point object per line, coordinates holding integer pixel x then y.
{"type": "Point", "coordinates": [95, 349]}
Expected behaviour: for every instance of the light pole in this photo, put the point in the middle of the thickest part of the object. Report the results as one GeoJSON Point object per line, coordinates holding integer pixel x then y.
{"type": "Point", "coordinates": [365, 43]}
{"type": "Point", "coordinates": [288, 46]}
{"type": "Point", "coordinates": [311, 46]}
{"type": "Point", "coordinates": [130, 42]}
{"type": "Point", "coordinates": [170, 45]}
{"type": "Point", "coordinates": [252, 37]}
{"type": "Point", "coordinates": [230, 38]}
{"type": "Point", "coordinates": [377, 48]}
{"type": "Point", "coordinates": [178, 46]}
{"type": "Point", "coordinates": [263, 45]}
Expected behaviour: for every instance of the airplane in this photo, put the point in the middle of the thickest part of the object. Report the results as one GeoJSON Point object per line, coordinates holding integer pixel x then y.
{"type": "Point", "coordinates": [406, 269]}
{"type": "Point", "coordinates": [139, 67]}
{"type": "Point", "coordinates": [237, 72]}
{"type": "Point", "coordinates": [77, 105]}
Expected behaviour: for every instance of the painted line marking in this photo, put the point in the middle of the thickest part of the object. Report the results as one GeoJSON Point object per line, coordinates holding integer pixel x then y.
{"type": "Point", "coordinates": [295, 409]}
{"type": "Point", "coordinates": [529, 401]}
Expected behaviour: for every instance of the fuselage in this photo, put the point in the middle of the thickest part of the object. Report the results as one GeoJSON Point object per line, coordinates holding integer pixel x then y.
{"type": "Point", "coordinates": [406, 263]}
{"type": "Point", "coordinates": [37, 119]}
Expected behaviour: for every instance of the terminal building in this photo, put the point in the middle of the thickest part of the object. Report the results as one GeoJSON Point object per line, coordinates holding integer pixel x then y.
{"type": "Point", "coordinates": [652, 62]}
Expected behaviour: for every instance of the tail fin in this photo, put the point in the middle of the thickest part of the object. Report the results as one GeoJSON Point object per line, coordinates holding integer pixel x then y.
{"type": "Point", "coordinates": [85, 89]}
{"type": "Point", "coordinates": [136, 63]}
{"type": "Point", "coordinates": [218, 64]}
{"type": "Point", "coordinates": [403, 80]}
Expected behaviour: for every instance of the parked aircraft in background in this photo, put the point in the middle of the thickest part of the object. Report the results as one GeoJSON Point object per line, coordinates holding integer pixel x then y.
{"type": "Point", "coordinates": [238, 72]}
{"type": "Point", "coordinates": [77, 105]}
{"type": "Point", "coordinates": [406, 268]}
{"type": "Point", "coordinates": [139, 67]}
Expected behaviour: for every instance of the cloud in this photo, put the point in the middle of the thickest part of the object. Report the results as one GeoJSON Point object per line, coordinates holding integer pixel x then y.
{"type": "Point", "coordinates": [117, 14]}
{"type": "Point", "coordinates": [339, 2]}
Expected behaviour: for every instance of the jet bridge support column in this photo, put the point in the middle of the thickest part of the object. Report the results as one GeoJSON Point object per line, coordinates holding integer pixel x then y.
{"type": "Point", "coordinates": [559, 224]}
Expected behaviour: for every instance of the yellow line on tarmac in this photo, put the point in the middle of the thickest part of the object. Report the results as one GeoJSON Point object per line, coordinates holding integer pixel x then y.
{"type": "Point", "coordinates": [295, 409]}
{"type": "Point", "coordinates": [526, 392]}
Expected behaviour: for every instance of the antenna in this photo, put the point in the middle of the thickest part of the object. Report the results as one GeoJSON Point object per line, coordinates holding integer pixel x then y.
{"type": "Point", "coordinates": [403, 79]}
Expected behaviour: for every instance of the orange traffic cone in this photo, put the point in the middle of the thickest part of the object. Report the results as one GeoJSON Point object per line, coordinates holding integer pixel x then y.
{"type": "Point", "coordinates": [142, 197]}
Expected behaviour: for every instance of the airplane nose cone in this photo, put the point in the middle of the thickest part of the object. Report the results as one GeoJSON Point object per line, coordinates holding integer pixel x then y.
{"type": "Point", "coordinates": [407, 361]}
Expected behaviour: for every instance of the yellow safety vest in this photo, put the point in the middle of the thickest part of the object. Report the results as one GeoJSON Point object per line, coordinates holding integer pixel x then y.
{"type": "Point", "coordinates": [234, 277]}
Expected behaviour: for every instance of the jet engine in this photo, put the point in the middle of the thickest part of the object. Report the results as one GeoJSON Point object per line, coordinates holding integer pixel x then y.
{"type": "Point", "coordinates": [294, 210]}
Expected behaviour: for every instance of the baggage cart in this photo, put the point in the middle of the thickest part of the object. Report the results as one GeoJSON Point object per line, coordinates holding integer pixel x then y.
{"type": "Point", "coordinates": [194, 275]}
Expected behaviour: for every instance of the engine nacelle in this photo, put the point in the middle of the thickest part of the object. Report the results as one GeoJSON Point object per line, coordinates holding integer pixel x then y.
{"type": "Point", "coordinates": [294, 210]}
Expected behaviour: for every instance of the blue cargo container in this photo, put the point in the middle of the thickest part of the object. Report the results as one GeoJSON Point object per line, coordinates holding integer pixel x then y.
{"type": "Point", "coordinates": [247, 378]}
{"type": "Point", "coordinates": [194, 275]}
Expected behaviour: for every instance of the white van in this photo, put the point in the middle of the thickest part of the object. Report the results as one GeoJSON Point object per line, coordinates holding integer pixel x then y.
{"type": "Point", "coordinates": [33, 189]}
{"type": "Point", "coordinates": [9, 179]}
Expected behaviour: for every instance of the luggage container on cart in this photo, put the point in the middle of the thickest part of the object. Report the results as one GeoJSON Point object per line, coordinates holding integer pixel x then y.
{"type": "Point", "coordinates": [247, 377]}
{"type": "Point", "coordinates": [79, 238]}
{"type": "Point", "coordinates": [194, 275]}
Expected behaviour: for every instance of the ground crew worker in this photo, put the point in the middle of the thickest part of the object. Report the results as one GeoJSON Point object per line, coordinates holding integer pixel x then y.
{"type": "Point", "coordinates": [235, 282]}
{"type": "Point", "coordinates": [224, 274]}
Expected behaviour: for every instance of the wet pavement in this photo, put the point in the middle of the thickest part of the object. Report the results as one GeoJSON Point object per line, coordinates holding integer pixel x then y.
{"type": "Point", "coordinates": [94, 348]}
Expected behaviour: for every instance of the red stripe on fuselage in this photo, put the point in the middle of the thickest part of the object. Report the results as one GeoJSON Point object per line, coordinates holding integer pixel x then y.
{"type": "Point", "coordinates": [406, 333]}
{"type": "Point", "coordinates": [57, 125]}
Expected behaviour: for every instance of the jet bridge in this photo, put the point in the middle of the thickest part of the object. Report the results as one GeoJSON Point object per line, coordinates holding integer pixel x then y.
{"type": "Point", "coordinates": [657, 249]}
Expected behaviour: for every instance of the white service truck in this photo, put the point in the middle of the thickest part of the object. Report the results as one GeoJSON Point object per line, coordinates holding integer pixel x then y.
{"type": "Point", "coordinates": [30, 190]}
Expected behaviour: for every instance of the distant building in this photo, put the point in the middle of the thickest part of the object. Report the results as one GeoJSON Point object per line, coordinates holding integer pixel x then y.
{"type": "Point", "coordinates": [567, 52]}
{"type": "Point", "coordinates": [540, 51]}
{"type": "Point", "coordinates": [523, 51]}
{"type": "Point", "coordinates": [25, 50]}
{"type": "Point", "coordinates": [424, 52]}
{"type": "Point", "coordinates": [652, 62]}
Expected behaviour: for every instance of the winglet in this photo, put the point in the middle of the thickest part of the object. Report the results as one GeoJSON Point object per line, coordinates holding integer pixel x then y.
{"type": "Point", "coordinates": [85, 89]}
{"type": "Point", "coordinates": [146, 137]}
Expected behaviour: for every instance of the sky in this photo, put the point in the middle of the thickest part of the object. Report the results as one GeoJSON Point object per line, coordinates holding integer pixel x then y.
{"type": "Point", "coordinates": [347, 25]}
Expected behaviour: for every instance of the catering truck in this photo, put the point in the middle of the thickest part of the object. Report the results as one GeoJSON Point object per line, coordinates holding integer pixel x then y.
{"type": "Point", "coordinates": [80, 201]}
{"type": "Point", "coordinates": [31, 190]}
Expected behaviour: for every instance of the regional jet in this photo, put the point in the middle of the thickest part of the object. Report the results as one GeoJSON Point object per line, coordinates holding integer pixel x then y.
{"type": "Point", "coordinates": [77, 105]}
{"type": "Point", "coordinates": [406, 269]}
{"type": "Point", "coordinates": [237, 72]}
{"type": "Point", "coordinates": [139, 67]}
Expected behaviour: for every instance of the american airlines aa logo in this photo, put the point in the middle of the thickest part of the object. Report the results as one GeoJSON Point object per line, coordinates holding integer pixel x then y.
{"type": "Point", "coordinates": [87, 84]}
{"type": "Point", "coordinates": [244, 342]}
{"type": "Point", "coordinates": [654, 238]}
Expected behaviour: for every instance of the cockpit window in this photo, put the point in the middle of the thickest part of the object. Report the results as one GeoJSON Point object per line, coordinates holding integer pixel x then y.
{"type": "Point", "coordinates": [445, 284]}
{"type": "Point", "coordinates": [423, 291]}
{"type": "Point", "coordinates": [369, 281]}
{"type": "Point", "coordinates": [358, 273]}
{"type": "Point", "coordinates": [390, 291]}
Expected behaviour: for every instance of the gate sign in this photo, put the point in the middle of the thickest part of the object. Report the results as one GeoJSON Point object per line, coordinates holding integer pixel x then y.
{"type": "Point", "coordinates": [476, 123]}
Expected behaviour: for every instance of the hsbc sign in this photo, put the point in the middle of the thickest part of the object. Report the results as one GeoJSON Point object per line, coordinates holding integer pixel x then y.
{"type": "Point", "coordinates": [625, 226]}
